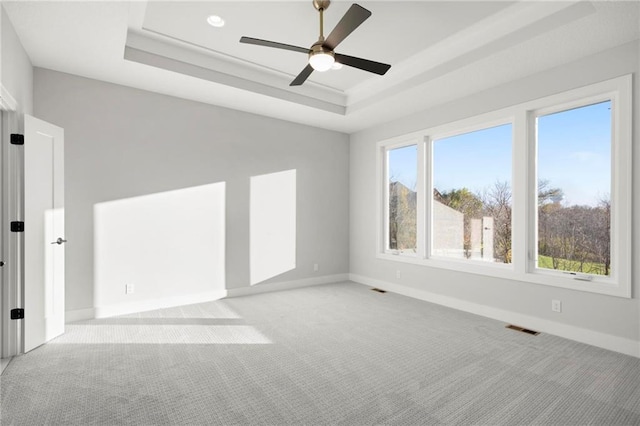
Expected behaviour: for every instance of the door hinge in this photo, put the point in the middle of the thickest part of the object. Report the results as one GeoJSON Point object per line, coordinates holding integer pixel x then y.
{"type": "Point", "coordinates": [17, 226]}
{"type": "Point", "coordinates": [17, 313]}
{"type": "Point", "coordinates": [17, 139]}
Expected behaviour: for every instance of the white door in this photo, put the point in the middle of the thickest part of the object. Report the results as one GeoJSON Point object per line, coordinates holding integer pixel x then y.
{"type": "Point", "coordinates": [43, 232]}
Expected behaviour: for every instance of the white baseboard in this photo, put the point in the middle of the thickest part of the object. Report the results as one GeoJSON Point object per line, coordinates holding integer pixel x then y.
{"type": "Point", "coordinates": [79, 315]}
{"type": "Point", "coordinates": [583, 335]}
{"type": "Point", "coordinates": [149, 305]}
{"type": "Point", "coordinates": [286, 285]}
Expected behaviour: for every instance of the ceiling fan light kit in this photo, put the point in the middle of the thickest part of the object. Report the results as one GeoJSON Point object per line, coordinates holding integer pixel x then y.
{"type": "Point", "coordinates": [322, 56]}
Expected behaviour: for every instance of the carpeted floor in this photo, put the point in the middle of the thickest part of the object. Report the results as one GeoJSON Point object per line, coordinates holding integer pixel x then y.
{"type": "Point", "coordinates": [331, 354]}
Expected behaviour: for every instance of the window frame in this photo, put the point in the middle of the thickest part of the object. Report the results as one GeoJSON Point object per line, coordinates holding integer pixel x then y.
{"type": "Point", "coordinates": [524, 190]}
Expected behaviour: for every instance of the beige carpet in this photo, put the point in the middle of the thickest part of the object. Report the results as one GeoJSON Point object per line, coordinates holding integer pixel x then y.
{"type": "Point", "coordinates": [331, 354]}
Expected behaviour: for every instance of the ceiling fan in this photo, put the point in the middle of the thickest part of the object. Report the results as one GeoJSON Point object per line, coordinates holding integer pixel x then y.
{"type": "Point", "coordinates": [321, 53]}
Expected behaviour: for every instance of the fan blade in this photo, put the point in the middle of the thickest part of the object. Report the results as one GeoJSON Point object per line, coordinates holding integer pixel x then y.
{"type": "Point", "coordinates": [267, 43]}
{"type": "Point", "coordinates": [351, 20]}
{"type": "Point", "coordinates": [363, 64]}
{"type": "Point", "coordinates": [306, 72]}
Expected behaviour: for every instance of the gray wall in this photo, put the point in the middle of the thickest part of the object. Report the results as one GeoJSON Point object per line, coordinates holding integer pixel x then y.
{"type": "Point", "coordinates": [16, 72]}
{"type": "Point", "coordinates": [122, 142]}
{"type": "Point", "coordinates": [611, 315]}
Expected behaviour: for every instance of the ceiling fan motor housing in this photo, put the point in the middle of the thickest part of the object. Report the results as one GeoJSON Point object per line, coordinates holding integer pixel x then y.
{"type": "Point", "coordinates": [318, 49]}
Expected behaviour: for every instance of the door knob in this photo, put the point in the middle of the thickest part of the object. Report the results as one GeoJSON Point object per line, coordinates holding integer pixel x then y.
{"type": "Point", "coordinates": [59, 241]}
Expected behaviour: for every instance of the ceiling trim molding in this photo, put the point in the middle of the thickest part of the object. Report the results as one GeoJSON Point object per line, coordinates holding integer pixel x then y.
{"type": "Point", "coordinates": [507, 28]}
{"type": "Point", "coordinates": [151, 51]}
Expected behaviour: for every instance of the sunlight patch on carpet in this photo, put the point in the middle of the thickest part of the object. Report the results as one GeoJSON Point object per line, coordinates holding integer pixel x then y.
{"type": "Point", "coordinates": [162, 334]}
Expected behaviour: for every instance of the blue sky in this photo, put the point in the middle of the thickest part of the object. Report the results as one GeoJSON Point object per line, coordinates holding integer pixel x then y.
{"type": "Point", "coordinates": [574, 154]}
{"type": "Point", "coordinates": [473, 160]}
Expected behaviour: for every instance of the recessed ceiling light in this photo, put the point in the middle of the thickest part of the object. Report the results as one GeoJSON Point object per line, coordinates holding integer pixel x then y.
{"type": "Point", "coordinates": [215, 21]}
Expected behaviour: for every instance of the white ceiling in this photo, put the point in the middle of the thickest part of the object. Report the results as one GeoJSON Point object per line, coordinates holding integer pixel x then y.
{"type": "Point", "coordinates": [423, 25]}
{"type": "Point", "coordinates": [439, 50]}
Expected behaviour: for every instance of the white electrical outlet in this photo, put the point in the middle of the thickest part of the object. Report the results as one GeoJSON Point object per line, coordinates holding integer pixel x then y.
{"type": "Point", "coordinates": [398, 274]}
{"type": "Point", "coordinates": [556, 305]}
{"type": "Point", "coordinates": [128, 289]}
{"type": "Point", "coordinates": [315, 267]}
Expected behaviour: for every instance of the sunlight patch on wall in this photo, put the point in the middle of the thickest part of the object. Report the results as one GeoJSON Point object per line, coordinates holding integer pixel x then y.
{"type": "Point", "coordinates": [272, 225]}
{"type": "Point", "coordinates": [160, 246]}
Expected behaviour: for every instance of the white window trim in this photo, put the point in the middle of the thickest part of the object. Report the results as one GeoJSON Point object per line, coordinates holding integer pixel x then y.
{"type": "Point", "coordinates": [382, 169]}
{"type": "Point", "coordinates": [524, 190]}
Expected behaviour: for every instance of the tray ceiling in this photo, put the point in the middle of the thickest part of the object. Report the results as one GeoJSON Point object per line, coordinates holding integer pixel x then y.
{"type": "Point", "coordinates": [439, 50]}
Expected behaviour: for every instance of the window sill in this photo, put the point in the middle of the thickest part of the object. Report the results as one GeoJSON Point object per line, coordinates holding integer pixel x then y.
{"type": "Point", "coordinates": [605, 286]}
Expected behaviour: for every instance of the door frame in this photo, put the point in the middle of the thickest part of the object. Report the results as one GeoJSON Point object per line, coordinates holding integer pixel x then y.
{"type": "Point", "coordinates": [11, 191]}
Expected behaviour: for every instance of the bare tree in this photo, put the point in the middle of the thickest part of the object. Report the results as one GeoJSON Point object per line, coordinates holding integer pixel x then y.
{"type": "Point", "coordinates": [546, 194]}
{"type": "Point", "coordinates": [497, 204]}
{"type": "Point", "coordinates": [576, 238]}
{"type": "Point", "coordinates": [549, 242]}
{"type": "Point", "coordinates": [602, 234]}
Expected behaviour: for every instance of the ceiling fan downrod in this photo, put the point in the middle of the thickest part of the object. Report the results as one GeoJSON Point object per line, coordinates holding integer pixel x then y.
{"type": "Point", "coordinates": [321, 6]}
{"type": "Point", "coordinates": [320, 57]}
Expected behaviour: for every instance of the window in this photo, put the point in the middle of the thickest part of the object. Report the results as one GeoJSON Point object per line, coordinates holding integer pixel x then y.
{"type": "Point", "coordinates": [538, 192]}
{"type": "Point", "coordinates": [471, 207]}
{"type": "Point", "coordinates": [574, 189]}
{"type": "Point", "coordinates": [401, 177]}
